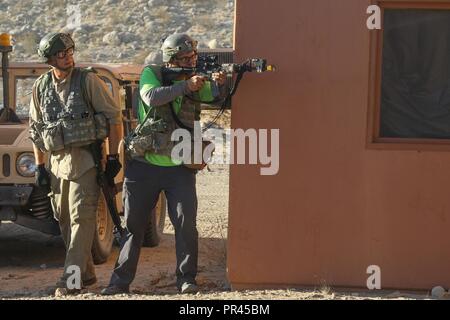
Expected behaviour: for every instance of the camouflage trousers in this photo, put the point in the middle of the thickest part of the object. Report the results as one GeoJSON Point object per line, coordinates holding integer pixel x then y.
{"type": "Point", "coordinates": [74, 205]}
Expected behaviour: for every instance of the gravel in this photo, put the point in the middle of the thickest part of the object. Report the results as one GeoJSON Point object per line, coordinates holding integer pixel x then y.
{"type": "Point", "coordinates": [116, 27]}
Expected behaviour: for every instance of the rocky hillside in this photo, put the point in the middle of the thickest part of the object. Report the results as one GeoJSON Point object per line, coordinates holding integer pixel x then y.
{"type": "Point", "coordinates": [116, 30]}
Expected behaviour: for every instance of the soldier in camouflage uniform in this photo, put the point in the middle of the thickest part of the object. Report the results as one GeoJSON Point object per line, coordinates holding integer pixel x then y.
{"type": "Point", "coordinates": [70, 109]}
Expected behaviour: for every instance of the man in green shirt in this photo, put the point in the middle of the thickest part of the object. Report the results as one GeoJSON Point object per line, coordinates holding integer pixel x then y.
{"type": "Point", "coordinates": [156, 171]}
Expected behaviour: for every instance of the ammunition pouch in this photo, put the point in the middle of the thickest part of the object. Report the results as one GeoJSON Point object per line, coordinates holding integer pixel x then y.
{"type": "Point", "coordinates": [69, 131]}
{"type": "Point", "coordinates": [52, 136]}
{"type": "Point", "coordinates": [150, 136]}
{"type": "Point", "coordinates": [78, 132]}
{"type": "Point", "coordinates": [85, 130]}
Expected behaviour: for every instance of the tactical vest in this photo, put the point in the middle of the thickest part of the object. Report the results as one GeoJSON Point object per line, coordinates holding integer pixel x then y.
{"type": "Point", "coordinates": [188, 114]}
{"type": "Point", "coordinates": [73, 123]}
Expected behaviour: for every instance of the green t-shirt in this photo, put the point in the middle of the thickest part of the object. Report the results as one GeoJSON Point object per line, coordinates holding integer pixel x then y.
{"type": "Point", "coordinates": [148, 81]}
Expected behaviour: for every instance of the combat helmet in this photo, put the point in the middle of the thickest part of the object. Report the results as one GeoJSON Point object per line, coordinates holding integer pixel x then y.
{"type": "Point", "coordinates": [176, 43]}
{"type": "Point", "coordinates": [51, 43]}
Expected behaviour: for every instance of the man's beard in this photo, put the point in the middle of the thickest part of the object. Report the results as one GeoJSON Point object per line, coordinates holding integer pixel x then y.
{"type": "Point", "coordinates": [66, 69]}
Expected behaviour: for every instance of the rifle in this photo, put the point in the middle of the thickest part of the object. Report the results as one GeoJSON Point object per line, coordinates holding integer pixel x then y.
{"type": "Point", "coordinates": [207, 65]}
{"type": "Point", "coordinates": [108, 189]}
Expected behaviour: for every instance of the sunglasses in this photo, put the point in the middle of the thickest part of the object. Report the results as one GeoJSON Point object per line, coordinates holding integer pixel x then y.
{"type": "Point", "coordinates": [63, 53]}
{"type": "Point", "coordinates": [187, 59]}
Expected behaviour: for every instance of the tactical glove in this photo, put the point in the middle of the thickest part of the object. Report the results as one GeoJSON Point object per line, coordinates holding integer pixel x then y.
{"type": "Point", "coordinates": [42, 177]}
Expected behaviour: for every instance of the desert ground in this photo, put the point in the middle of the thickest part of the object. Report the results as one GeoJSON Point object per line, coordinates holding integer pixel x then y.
{"type": "Point", "coordinates": [31, 262]}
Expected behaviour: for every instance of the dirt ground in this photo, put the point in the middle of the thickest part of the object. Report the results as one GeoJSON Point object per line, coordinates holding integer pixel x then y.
{"type": "Point", "coordinates": [31, 262]}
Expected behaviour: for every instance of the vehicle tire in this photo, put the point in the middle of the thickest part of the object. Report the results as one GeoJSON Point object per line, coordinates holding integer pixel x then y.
{"type": "Point", "coordinates": [155, 226]}
{"type": "Point", "coordinates": [103, 237]}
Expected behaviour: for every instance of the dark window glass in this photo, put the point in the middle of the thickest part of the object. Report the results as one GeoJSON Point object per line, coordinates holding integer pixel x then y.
{"type": "Point", "coordinates": [415, 92]}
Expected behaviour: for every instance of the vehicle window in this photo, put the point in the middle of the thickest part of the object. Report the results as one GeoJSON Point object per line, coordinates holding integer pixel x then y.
{"type": "Point", "coordinates": [23, 96]}
{"type": "Point", "coordinates": [108, 84]}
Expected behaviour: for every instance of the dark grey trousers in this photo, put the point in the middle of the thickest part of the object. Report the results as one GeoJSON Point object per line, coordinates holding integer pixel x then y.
{"type": "Point", "coordinates": [142, 186]}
